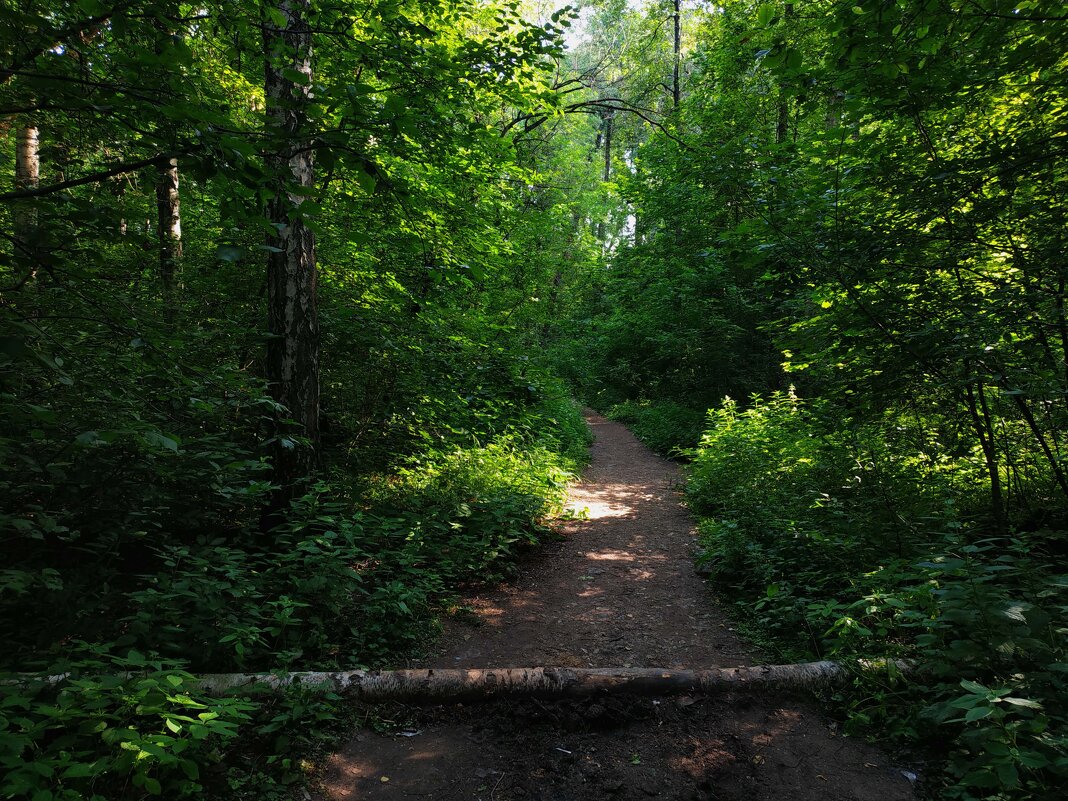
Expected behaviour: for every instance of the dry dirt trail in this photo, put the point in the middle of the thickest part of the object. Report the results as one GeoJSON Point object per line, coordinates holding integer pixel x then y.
{"type": "Point", "coordinates": [619, 590]}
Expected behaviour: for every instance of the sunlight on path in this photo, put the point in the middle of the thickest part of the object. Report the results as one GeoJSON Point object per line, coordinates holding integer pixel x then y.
{"type": "Point", "coordinates": [603, 500]}
{"type": "Point", "coordinates": [617, 589]}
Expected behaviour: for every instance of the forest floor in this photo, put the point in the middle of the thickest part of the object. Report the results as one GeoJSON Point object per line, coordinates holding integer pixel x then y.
{"type": "Point", "coordinates": [619, 590]}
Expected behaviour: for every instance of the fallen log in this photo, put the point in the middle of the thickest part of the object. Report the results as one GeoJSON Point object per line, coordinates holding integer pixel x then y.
{"type": "Point", "coordinates": [436, 685]}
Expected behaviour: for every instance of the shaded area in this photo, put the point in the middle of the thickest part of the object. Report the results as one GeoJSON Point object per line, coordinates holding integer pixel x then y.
{"type": "Point", "coordinates": [619, 590]}
{"type": "Point", "coordinates": [731, 747]}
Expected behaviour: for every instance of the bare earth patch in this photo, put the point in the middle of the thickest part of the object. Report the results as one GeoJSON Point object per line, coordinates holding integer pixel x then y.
{"type": "Point", "coordinates": [620, 590]}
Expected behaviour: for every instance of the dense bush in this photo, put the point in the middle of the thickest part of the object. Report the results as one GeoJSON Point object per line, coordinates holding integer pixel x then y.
{"type": "Point", "coordinates": [134, 479]}
{"type": "Point", "coordinates": [329, 588]}
{"type": "Point", "coordinates": [114, 720]}
{"type": "Point", "coordinates": [838, 541]}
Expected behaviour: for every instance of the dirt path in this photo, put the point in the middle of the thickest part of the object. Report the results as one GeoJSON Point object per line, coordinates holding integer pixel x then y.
{"type": "Point", "coordinates": [620, 590]}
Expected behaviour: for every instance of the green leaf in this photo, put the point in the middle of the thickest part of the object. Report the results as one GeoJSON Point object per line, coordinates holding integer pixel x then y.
{"type": "Point", "coordinates": [277, 18]}
{"type": "Point", "coordinates": [365, 181]}
{"type": "Point", "coordinates": [296, 76]}
{"type": "Point", "coordinates": [80, 770]}
{"type": "Point", "coordinates": [1025, 702]}
{"type": "Point", "coordinates": [1008, 775]}
{"type": "Point", "coordinates": [159, 440]}
{"type": "Point", "coordinates": [1033, 759]}
{"type": "Point", "coordinates": [190, 769]}
{"type": "Point", "coordinates": [978, 713]}
{"type": "Point", "coordinates": [766, 13]}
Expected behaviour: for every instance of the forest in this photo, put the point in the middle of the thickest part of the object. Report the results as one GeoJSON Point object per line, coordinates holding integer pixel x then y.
{"type": "Point", "coordinates": [301, 302]}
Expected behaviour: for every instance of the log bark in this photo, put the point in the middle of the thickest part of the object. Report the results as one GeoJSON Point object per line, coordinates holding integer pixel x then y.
{"type": "Point", "coordinates": [432, 685]}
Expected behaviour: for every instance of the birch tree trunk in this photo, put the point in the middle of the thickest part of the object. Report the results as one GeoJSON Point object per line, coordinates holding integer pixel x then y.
{"type": "Point", "coordinates": [292, 316]}
{"type": "Point", "coordinates": [27, 176]}
{"type": "Point", "coordinates": [434, 685]}
{"type": "Point", "coordinates": [169, 229]}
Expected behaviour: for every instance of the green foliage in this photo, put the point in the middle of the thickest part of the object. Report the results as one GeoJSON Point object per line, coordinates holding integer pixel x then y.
{"type": "Point", "coordinates": [668, 428]}
{"type": "Point", "coordinates": [95, 479]}
{"type": "Point", "coordinates": [794, 506]}
{"type": "Point", "coordinates": [113, 722]}
{"type": "Point", "coordinates": [137, 427]}
{"type": "Point", "coordinates": [330, 587]}
{"type": "Point", "coordinates": [863, 201]}
{"type": "Point", "coordinates": [837, 541]}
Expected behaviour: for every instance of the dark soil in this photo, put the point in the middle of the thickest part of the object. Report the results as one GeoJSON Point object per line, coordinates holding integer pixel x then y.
{"type": "Point", "coordinates": [620, 590]}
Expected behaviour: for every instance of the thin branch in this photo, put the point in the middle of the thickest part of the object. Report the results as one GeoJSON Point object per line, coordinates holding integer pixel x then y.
{"type": "Point", "coordinates": [62, 35]}
{"type": "Point", "coordinates": [95, 177]}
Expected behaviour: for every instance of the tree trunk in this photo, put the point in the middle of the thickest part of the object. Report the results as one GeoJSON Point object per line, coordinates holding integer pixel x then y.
{"type": "Point", "coordinates": [292, 317]}
{"type": "Point", "coordinates": [1036, 430]}
{"type": "Point", "coordinates": [608, 148]}
{"type": "Point", "coordinates": [169, 229]}
{"type": "Point", "coordinates": [676, 89]}
{"type": "Point", "coordinates": [27, 176]}
{"type": "Point", "coordinates": [983, 431]}
{"type": "Point", "coordinates": [782, 124]}
{"type": "Point", "coordinates": [547, 682]}
{"type": "Point", "coordinates": [606, 141]}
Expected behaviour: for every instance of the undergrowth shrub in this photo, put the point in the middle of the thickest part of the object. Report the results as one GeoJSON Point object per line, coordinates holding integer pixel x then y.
{"type": "Point", "coordinates": [117, 725]}
{"type": "Point", "coordinates": [324, 578]}
{"type": "Point", "coordinates": [471, 510]}
{"type": "Point", "coordinates": [837, 541]}
{"type": "Point", "coordinates": [351, 578]}
{"type": "Point", "coordinates": [337, 587]}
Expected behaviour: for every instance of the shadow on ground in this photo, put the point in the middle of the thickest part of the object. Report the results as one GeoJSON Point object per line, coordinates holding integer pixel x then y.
{"type": "Point", "coordinates": [619, 591]}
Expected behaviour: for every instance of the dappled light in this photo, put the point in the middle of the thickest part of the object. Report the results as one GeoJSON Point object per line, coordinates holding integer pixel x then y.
{"type": "Point", "coordinates": [617, 592]}
{"type": "Point", "coordinates": [612, 500]}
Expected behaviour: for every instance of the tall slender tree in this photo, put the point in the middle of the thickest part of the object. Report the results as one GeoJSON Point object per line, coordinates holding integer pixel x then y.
{"type": "Point", "coordinates": [169, 227]}
{"type": "Point", "coordinates": [27, 176]}
{"type": "Point", "coordinates": [292, 316]}
{"type": "Point", "coordinates": [676, 89]}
